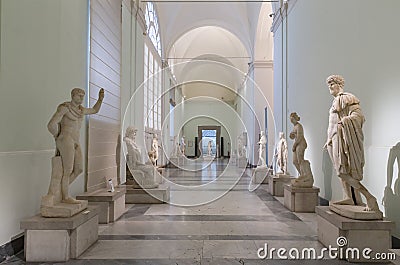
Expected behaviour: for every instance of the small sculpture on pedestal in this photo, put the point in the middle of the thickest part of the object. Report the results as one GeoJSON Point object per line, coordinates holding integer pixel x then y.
{"type": "Point", "coordinates": [345, 144]}
{"type": "Point", "coordinates": [262, 150]}
{"type": "Point", "coordinates": [241, 151]}
{"type": "Point", "coordinates": [305, 179]}
{"type": "Point", "coordinates": [143, 175]}
{"type": "Point", "coordinates": [153, 154]}
{"type": "Point", "coordinates": [183, 146]}
{"type": "Point", "coordinates": [67, 164]}
{"type": "Point", "coordinates": [209, 148]}
{"type": "Point", "coordinates": [282, 155]}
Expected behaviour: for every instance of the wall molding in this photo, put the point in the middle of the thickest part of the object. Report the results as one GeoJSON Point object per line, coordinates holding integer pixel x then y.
{"type": "Point", "coordinates": [263, 64]}
{"type": "Point", "coordinates": [139, 16]}
{"type": "Point", "coordinates": [278, 19]}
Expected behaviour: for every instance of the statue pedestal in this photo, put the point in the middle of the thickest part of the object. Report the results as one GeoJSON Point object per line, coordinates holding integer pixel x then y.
{"type": "Point", "coordinates": [242, 162]}
{"type": "Point", "coordinates": [60, 239]}
{"type": "Point", "coordinates": [301, 200]}
{"type": "Point", "coordinates": [360, 234]}
{"type": "Point", "coordinates": [111, 204]}
{"type": "Point", "coordinates": [159, 175]}
{"type": "Point", "coordinates": [260, 175]}
{"type": "Point", "coordinates": [276, 182]}
{"type": "Point", "coordinates": [177, 161]}
{"type": "Point", "coordinates": [161, 194]}
{"type": "Point", "coordinates": [208, 158]}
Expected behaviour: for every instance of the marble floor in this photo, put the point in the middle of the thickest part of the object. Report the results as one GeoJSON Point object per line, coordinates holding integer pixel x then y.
{"type": "Point", "coordinates": [226, 230]}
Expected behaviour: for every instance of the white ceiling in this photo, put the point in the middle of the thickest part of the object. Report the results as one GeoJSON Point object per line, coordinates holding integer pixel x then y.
{"type": "Point", "coordinates": [223, 33]}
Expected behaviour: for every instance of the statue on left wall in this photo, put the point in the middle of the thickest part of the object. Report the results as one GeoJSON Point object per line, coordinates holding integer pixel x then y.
{"type": "Point", "coordinates": [67, 164]}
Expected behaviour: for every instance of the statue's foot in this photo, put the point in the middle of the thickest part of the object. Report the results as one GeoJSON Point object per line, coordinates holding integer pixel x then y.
{"type": "Point", "coordinates": [347, 201]}
{"type": "Point", "coordinates": [372, 205]}
{"type": "Point", "coordinates": [71, 201]}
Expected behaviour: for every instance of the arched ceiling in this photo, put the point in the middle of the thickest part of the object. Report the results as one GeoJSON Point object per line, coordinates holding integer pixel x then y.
{"type": "Point", "coordinates": [224, 33]}
{"type": "Point", "coordinates": [178, 18]}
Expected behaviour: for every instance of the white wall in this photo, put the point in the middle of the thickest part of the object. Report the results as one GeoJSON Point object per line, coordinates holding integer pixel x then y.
{"type": "Point", "coordinates": [359, 40]}
{"type": "Point", "coordinates": [191, 131]}
{"type": "Point", "coordinates": [43, 56]}
{"type": "Point", "coordinates": [216, 110]}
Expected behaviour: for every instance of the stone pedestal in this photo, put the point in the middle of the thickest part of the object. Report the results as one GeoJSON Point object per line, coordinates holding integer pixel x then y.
{"type": "Point", "coordinates": [301, 200]}
{"type": "Point", "coordinates": [276, 182]}
{"type": "Point", "coordinates": [159, 175]}
{"type": "Point", "coordinates": [156, 195]}
{"type": "Point", "coordinates": [177, 161]}
{"type": "Point", "coordinates": [111, 204]}
{"type": "Point", "coordinates": [242, 162]}
{"type": "Point", "coordinates": [208, 158]}
{"type": "Point", "coordinates": [360, 234]}
{"type": "Point", "coordinates": [260, 175]}
{"type": "Point", "coordinates": [60, 239]}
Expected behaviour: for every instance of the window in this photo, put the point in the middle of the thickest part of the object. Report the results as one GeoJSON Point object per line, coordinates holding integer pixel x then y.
{"type": "Point", "coordinates": [152, 26]}
{"type": "Point", "coordinates": [152, 71]}
{"type": "Point", "coordinates": [152, 91]}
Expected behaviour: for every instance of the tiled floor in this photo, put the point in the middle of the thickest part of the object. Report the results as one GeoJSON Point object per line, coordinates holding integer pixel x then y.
{"type": "Point", "coordinates": [228, 230]}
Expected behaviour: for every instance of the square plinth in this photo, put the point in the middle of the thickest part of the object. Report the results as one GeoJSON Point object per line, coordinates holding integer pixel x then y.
{"type": "Point", "coordinates": [260, 176]}
{"type": "Point", "coordinates": [276, 183]}
{"type": "Point", "coordinates": [156, 195]}
{"type": "Point", "coordinates": [111, 204]}
{"type": "Point", "coordinates": [60, 239]}
{"type": "Point", "coordinates": [300, 200]}
{"type": "Point", "coordinates": [357, 234]}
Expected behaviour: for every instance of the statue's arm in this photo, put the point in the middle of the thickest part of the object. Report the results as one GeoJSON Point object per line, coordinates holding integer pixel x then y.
{"type": "Point", "coordinates": [95, 109]}
{"type": "Point", "coordinates": [53, 126]}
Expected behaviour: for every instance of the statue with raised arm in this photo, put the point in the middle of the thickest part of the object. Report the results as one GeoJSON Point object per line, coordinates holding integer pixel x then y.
{"type": "Point", "coordinates": [262, 150]}
{"type": "Point", "coordinates": [65, 127]}
{"type": "Point", "coordinates": [143, 175]}
{"type": "Point", "coordinates": [345, 144]}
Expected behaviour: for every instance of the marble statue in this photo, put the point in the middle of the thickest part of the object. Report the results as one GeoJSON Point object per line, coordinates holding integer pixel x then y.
{"type": "Point", "coordinates": [153, 154]}
{"type": "Point", "coordinates": [241, 151]}
{"type": "Point", "coordinates": [345, 144]}
{"type": "Point", "coordinates": [183, 145]}
{"type": "Point", "coordinates": [144, 175]}
{"type": "Point", "coordinates": [67, 164]}
{"type": "Point", "coordinates": [282, 154]}
{"type": "Point", "coordinates": [175, 148]}
{"type": "Point", "coordinates": [262, 150]}
{"type": "Point", "coordinates": [300, 144]}
{"type": "Point", "coordinates": [305, 179]}
{"type": "Point", "coordinates": [209, 148]}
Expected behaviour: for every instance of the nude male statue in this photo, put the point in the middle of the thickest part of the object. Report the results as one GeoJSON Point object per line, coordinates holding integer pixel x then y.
{"type": "Point", "coordinates": [65, 126]}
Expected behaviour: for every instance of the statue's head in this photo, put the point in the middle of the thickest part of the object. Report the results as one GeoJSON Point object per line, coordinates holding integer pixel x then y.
{"type": "Point", "coordinates": [78, 95]}
{"type": "Point", "coordinates": [281, 135]}
{"type": "Point", "coordinates": [336, 79]}
{"type": "Point", "coordinates": [294, 117]}
{"type": "Point", "coordinates": [130, 132]}
{"type": "Point", "coordinates": [335, 84]}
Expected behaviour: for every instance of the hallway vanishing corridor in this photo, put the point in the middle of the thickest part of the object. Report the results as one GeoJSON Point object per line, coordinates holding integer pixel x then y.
{"type": "Point", "coordinates": [228, 230]}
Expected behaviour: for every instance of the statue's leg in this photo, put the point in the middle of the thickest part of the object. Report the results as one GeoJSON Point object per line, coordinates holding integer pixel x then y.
{"type": "Point", "coordinates": [67, 151]}
{"type": "Point", "coordinates": [372, 204]}
{"type": "Point", "coordinates": [296, 161]}
{"type": "Point", "coordinates": [78, 164]}
{"type": "Point", "coordinates": [347, 200]}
